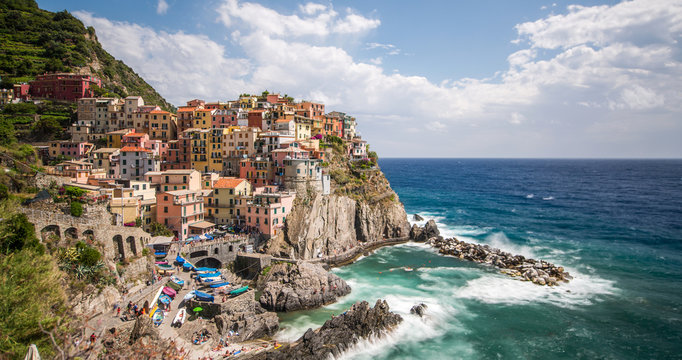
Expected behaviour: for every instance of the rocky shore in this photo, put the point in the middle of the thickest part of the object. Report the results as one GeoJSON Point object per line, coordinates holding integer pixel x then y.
{"type": "Point", "coordinates": [338, 334]}
{"type": "Point", "coordinates": [538, 272]}
{"type": "Point", "coordinates": [291, 287]}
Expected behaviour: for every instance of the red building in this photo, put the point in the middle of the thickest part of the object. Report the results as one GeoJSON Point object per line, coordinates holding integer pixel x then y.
{"type": "Point", "coordinates": [178, 155]}
{"type": "Point", "coordinates": [63, 86]}
{"type": "Point", "coordinates": [21, 91]}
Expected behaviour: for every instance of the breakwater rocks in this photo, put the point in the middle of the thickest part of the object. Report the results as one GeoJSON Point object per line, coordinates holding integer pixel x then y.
{"type": "Point", "coordinates": [538, 271]}
{"type": "Point", "coordinates": [291, 287]}
{"type": "Point", "coordinates": [338, 334]}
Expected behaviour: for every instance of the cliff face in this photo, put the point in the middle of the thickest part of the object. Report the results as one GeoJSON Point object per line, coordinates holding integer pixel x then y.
{"type": "Point", "coordinates": [326, 225]}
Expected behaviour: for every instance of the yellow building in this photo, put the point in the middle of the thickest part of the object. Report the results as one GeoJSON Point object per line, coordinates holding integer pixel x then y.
{"type": "Point", "coordinates": [124, 205]}
{"type": "Point", "coordinates": [303, 127]}
{"type": "Point", "coordinates": [114, 138]}
{"type": "Point", "coordinates": [248, 102]}
{"type": "Point", "coordinates": [214, 148]}
{"type": "Point", "coordinates": [240, 141]}
{"type": "Point", "coordinates": [199, 148]}
{"type": "Point", "coordinates": [162, 125]}
{"type": "Point", "coordinates": [202, 118]}
{"type": "Point", "coordinates": [221, 206]}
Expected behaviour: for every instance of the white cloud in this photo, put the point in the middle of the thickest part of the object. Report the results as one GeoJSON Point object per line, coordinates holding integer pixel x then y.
{"type": "Point", "coordinates": [312, 20]}
{"type": "Point", "coordinates": [606, 65]}
{"type": "Point", "coordinates": [162, 7]}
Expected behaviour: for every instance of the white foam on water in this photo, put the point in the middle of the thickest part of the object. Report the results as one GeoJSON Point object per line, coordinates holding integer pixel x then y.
{"type": "Point", "coordinates": [500, 289]}
{"type": "Point", "coordinates": [548, 198]}
{"type": "Point", "coordinates": [501, 241]}
{"type": "Point", "coordinates": [530, 196]}
{"type": "Point", "coordinates": [438, 320]}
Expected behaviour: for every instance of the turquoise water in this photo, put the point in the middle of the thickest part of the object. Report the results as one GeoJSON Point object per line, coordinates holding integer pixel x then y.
{"type": "Point", "coordinates": [616, 225]}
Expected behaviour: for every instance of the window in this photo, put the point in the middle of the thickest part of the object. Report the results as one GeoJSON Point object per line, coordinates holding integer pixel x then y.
{"type": "Point", "coordinates": [165, 209]}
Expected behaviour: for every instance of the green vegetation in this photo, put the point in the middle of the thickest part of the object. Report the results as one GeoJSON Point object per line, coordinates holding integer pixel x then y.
{"type": "Point", "coordinates": [16, 234]}
{"type": "Point", "coordinates": [84, 262]}
{"type": "Point", "coordinates": [17, 121]}
{"type": "Point", "coordinates": [35, 41]}
{"type": "Point", "coordinates": [156, 229]}
{"type": "Point", "coordinates": [76, 209]}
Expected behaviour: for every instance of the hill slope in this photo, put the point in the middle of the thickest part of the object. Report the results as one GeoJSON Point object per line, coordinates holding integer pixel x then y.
{"type": "Point", "coordinates": [34, 41]}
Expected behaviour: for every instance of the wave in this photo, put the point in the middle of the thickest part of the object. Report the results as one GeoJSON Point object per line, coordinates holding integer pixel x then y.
{"type": "Point", "coordinates": [547, 198]}
{"type": "Point", "coordinates": [530, 196]}
{"type": "Point", "coordinates": [499, 289]}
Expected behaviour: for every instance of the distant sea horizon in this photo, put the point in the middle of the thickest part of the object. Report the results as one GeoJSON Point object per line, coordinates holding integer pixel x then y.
{"type": "Point", "coordinates": [615, 224]}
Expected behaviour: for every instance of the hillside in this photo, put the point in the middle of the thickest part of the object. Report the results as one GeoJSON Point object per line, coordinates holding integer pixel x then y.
{"type": "Point", "coordinates": [34, 41]}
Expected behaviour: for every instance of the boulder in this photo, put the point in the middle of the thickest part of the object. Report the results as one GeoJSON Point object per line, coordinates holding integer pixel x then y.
{"type": "Point", "coordinates": [291, 287]}
{"type": "Point", "coordinates": [338, 334]}
{"type": "Point", "coordinates": [416, 217]}
{"type": "Point", "coordinates": [245, 316]}
{"type": "Point", "coordinates": [418, 309]}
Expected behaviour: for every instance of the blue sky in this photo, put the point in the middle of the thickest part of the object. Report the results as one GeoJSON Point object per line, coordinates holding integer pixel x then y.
{"type": "Point", "coordinates": [429, 78]}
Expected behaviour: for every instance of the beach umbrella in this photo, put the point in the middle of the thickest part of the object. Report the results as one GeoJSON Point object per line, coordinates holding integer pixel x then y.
{"type": "Point", "coordinates": [197, 309]}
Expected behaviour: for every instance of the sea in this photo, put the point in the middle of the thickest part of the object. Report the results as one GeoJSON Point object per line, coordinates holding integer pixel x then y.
{"type": "Point", "coordinates": [615, 225]}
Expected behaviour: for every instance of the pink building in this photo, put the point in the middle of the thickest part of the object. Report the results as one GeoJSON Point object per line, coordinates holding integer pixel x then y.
{"type": "Point", "coordinates": [63, 86]}
{"type": "Point", "coordinates": [135, 139]}
{"type": "Point", "coordinates": [267, 211]}
{"type": "Point", "coordinates": [182, 211]}
{"type": "Point", "coordinates": [72, 150]}
{"type": "Point", "coordinates": [223, 118]}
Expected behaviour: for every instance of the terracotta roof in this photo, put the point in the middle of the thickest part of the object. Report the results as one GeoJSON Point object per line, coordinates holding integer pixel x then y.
{"type": "Point", "coordinates": [205, 110]}
{"type": "Point", "coordinates": [134, 148]}
{"type": "Point", "coordinates": [227, 183]}
{"type": "Point", "coordinates": [133, 134]}
{"type": "Point", "coordinates": [186, 108]}
{"type": "Point", "coordinates": [159, 112]}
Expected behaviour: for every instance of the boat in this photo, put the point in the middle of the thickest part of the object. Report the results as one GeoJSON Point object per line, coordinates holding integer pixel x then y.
{"type": "Point", "coordinates": [164, 266]}
{"type": "Point", "coordinates": [160, 254]}
{"type": "Point", "coordinates": [165, 299]}
{"type": "Point", "coordinates": [170, 292]}
{"type": "Point", "coordinates": [179, 259]}
{"type": "Point", "coordinates": [187, 266]}
{"type": "Point", "coordinates": [177, 280]}
{"type": "Point", "coordinates": [209, 274]}
{"type": "Point", "coordinates": [174, 286]}
{"type": "Point", "coordinates": [220, 284]}
{"type": "Point", "coordinates": [241, 290]}
{"type": "Point", "coordinates": [208, 280]}
{"type": "Point", "coordinates": [202, 270]}
{"type": "Point", "coordinates": [163, 262]}
{"type": "Point", "coordinates": [180, 318]}
{"type": "Point", "coordinates": [190, 295]}
{"type": "Point", "coordinates": [202, 296]}
{"type": "Point", "coordinates": [157, 318]}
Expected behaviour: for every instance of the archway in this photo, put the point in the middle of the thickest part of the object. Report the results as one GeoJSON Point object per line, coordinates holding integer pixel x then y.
{"type": "Point", "coordinates": [216, 251]}
{"type": "Point", "coordinates": [209, 262]}
{"type": "Point", "coordinates": [118, 243]}
{"type": "Point", "coordinates": [131, 243]}
{"type": "Point", "coordinates": [89, 235]}
{"type": "Point", "coordinates": [231, 249]}
{"type": "Point", "coordinates": [50, 231]}
{"type": "Point", "coordinates": [71, 233]}
{"type": "Point", "coordinates": [199, 253]}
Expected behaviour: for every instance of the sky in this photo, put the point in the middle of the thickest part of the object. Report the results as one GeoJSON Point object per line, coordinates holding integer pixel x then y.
{"type": "Point", "coordinates": [505, 78]}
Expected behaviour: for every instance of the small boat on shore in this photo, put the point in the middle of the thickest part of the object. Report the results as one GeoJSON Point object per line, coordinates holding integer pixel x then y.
{"type": "Point", "coordinates": [241, 290]}
{"type": "Point", "coordinates": [211, 280]}
{"type": "Point", "coordinates": [187, 266]}
{"type": "Point", "coordinates": [179, 259]}
{"type": "Point", "coordinates": [177, 280]}
{"type": "Point", "coordinates": [160, 254]}
{"type": "Point", "coordinates": [179, 318]}
{"type": "Point", "coordinates": [170, 292]}
{"type": "Point", "coordinates": [162, 262]}
{"type": "Point", "coordinates": [157, 317]}
{"type": "Point", "coordinates": [202, 296]}
{"type": "Point", "coordinates": [209, 274]}
{"type": "Point", "coordinates": [190, 295]}
{"type": "Point", "coordinates": [164, 266]}
{"type": "Point", "coordinates": [219, 285]}
{"type": "Point", "coordinates": [201, 270]}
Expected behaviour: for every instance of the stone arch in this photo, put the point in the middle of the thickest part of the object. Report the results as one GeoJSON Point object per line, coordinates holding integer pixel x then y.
{"type": "Point", "coordinates": [89, 235]}
{"type": "Point", "coordinates": [71, 233]}
{"type": "Point", "coordinates": [132, 245]}
{"type": "Point", "coordinates": [209, 262]}
{"type": "Point", "coordinates": [50, 230]}
{"type": "Point", "coordinates": [199, 253]}
{"type": "Point", "coordinates": [118, 244]}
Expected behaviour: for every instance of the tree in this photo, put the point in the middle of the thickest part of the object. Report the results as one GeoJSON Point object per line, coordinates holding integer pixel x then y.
{"type": "Point", "coordinates": [7, 132]}
{"type": "Point", "coordinates": [17, 233]}
{"type": "Point", "coordinates": [46, 128]}
{"type": "Point", "coordinates": [156, 229]}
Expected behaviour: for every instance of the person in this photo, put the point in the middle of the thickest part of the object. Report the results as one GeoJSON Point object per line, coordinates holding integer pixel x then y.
{"type": "Point", "coordinates": [118, 312]}
{"type": "Point", "coordinates": [130, 305]}
{"type": "Point", "coordinates": [93, 338]}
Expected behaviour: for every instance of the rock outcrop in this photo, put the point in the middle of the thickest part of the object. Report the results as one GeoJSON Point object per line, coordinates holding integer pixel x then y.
{"type": "Point", "coordinates": [291, 287]}
{"type": "Point", "coordinates": [538, 271]}
{"type": "Point", "coordinates": [136, 340]}
{"type": "Point", "coordinates": [419, 309]}
{"type": "Point", "coordinates": [247, 318]}
{"type": "Point", "coordinates": [338, 334]}
{"type": "Point", "coordinates": [422, 234]}
{"type": "Point", "coordinates": [416, 217]}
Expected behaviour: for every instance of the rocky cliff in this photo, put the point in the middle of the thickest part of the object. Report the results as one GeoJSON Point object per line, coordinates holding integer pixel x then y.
{"type": "Point", "coordinates": [338, 334]}
{"type": "Point", "coordinates": [291, 287]}
{"type": "Point", "coordinates": [327, 225]}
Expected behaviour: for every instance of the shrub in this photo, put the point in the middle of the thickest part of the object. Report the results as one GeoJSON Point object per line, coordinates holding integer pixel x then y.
{"type": "Point", "coordinates": [18, 234]}
{"type": "Point", "coordinates": [74, 192]}
{"type": "Point", "coordinates": [89, 256]}
{"type": "Point", "coordinates": [76, 209]}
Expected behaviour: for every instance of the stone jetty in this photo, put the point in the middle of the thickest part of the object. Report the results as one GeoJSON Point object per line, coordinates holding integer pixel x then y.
{"type": "Point", "coordinates": [537, 271]}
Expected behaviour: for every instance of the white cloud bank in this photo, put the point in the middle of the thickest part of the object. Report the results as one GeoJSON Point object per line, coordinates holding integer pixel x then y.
{"type": "Point", "coordinates": [611, 86]}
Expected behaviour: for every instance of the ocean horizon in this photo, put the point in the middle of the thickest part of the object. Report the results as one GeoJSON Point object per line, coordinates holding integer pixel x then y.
{"type": "Point", "coordinates": [614, 224]}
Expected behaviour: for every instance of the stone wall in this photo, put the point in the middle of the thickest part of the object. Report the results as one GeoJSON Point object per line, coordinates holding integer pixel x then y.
{"type": "Point", "coordinates": [250, 265]}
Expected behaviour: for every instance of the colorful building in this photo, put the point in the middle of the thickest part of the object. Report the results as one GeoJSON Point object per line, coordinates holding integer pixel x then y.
{"type": "Point", "coordinates": [182, 211]}
{"type": "Point", "coordinates": [63, 86]}
{"type": "Point", "coordinates": [222, 202]}
{"type": "Point", "coordinates": [266, 212]}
